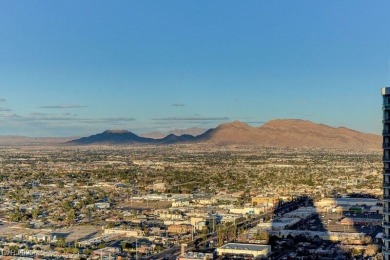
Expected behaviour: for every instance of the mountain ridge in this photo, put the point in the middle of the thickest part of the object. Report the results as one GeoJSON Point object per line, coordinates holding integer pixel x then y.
{"type": "Point", "coordinates": [275, 133]}
{"type": "Point", "coordinates": [194, 131]}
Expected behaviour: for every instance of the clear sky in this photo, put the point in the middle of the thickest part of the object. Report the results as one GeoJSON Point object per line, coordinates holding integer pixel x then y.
{"type": "Point", "coordinates": [80, 67]}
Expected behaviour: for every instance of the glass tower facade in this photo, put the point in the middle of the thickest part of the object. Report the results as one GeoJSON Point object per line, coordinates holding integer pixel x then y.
{"type": "Point", "coordinates": [386, 173]}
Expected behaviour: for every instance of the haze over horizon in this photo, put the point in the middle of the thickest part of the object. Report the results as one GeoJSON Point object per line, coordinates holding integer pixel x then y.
{"type": "Point", "coordinates": [77, 68]}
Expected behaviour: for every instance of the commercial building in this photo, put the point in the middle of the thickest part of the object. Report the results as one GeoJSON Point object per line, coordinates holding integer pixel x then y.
{"type": "Point", "coordinates": [180, 229]}
{"type": "Point", "coordinates": [238, 249]}
{"type": "Point", "coordinates": [185, 255]}
{"type": "Point", "coordinates": [348, 202]}
{"type": "Point", "coordinates": [195, 256]}
{"type": "Point", "coordinates": [271, 201]}
{"type": "Point", "coordinates": [386, 173]}
{"type": "Point", "coordinates": [124, 232]}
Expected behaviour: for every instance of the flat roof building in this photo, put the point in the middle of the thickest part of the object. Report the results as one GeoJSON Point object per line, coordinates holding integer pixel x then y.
{"type": "Point", "coordinates": [356, 201]}
{"type": "Point", "coordinates": [237, 249]}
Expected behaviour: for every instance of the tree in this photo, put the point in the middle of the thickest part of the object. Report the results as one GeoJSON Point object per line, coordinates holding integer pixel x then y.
{"type": "Point", "coordinates": [70, 216]}
{"type": "Point", "coordinates": [124, 245]}
{"type": "Point", "coordinates": [35, 212]}
{"type": "Point", "coordinates": [356, 252]}
{"type": "Point", "coordinates": [14, 248]}
{"type": "Point", "coordinates": [262, 235]}
{"type": "Point", "coordinates": [71, 250]}
{"type": "Point", "coordinates": [61, 242]}
{"type": "Point", "coordinates": [67, 205]}
{"type": "Point", "coordinates": [371, 250]}
{"type": "Point", "coordinates": [87, 251]}
{"type": "Point", "coordinates": [111, 225]}
{"type": "Point", "coordinates": [16, 216]}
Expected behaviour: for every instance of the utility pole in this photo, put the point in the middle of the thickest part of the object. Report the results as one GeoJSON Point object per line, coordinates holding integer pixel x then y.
{"type": "Point", "coordinates": [192, 233]}
{"type": "Point", "coordinates": [213, 224]}
{"type": "Point", "coordinates": [136, 249]}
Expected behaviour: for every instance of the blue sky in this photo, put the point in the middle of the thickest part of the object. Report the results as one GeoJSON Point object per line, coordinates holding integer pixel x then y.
{"type": "Point", "coordinates": [80, 67]}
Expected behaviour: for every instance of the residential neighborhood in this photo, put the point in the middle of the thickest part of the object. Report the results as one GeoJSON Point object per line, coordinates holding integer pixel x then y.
{"type": "Point", "coordinates": [139, 202]}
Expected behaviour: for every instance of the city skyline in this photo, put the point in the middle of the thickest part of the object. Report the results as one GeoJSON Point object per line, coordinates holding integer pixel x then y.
{"type": "Point", "coordinates": [80, 68]}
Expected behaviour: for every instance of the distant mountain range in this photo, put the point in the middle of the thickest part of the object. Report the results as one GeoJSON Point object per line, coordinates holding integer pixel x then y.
{"type": "Point", "coordinates": [275, 133]}
{"type": "Point", "coordinates": [195, 131]}
{"type": "Point", "coordinates": [125, 137]}
{"type": "Point", "coordinates": [14, 140]}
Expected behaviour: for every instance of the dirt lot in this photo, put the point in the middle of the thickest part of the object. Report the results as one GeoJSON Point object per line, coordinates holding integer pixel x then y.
{"type": "Point", "coordinates": [10, 230]}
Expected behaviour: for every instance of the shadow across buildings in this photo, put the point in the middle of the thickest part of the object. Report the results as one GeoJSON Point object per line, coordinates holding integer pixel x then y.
{"type": "Point", "coordinates": [334, 228]}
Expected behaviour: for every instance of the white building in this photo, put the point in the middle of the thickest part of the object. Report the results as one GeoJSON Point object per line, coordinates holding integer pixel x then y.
{"type": "Point", "coordinates": [102, 205]}
{"type": "Point", "coordinates": [251, 210]}
{"type": "Point", "coordinates": [125, 232]}
{"type": "Point", "coordinates": [172, 216]}
{"type": "Point", "coordinates": [180, 203]}
{"type": "Point", "coordinates": [244, 249]}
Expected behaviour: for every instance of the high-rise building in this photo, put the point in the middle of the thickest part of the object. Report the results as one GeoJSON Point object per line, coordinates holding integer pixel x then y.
{"type": "Point", "coordinates": [386, 173]}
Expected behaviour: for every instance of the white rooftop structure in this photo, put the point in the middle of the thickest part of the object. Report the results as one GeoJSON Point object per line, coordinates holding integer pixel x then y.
{"type": "Point", "coordinates": [244, 249]}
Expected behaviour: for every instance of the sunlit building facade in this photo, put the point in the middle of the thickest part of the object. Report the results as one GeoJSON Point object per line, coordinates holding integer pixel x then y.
{"type": "Point", "coordinates": [386, 173]}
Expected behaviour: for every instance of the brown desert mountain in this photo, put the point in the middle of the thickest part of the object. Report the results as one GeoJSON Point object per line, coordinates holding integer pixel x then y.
{"type": "Point", "coordinates": [292, 133]}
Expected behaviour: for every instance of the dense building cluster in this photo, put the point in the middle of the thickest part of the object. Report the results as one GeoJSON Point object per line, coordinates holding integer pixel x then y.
{"type": "Point", "coordinates": [86, 202]}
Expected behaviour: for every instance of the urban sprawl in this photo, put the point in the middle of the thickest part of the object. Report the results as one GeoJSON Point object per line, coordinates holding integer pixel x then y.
{"type": "Point", "coordinates": [189, 202]}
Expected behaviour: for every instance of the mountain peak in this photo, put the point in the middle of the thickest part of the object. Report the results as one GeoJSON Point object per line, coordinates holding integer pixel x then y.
{"type": "Point", "coordinates": [116, 131]}
{"type": "Point", "coordinates": [288, 121]}
{"type": "Point", "coordinates": [292, 133]}
{"type": "Point", "coordinates": [234, 124]}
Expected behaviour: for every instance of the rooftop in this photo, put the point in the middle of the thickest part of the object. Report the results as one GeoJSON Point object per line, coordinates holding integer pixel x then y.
{"type": "Point", "coordinates": [239, 246]}
{"type": "Point", "coordinates": [385, 91]}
